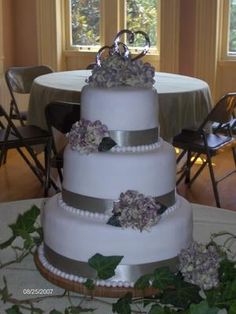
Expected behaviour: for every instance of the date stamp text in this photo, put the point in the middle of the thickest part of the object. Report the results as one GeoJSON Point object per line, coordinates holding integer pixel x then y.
{"type": "Point", "coordinates": [38, 291]}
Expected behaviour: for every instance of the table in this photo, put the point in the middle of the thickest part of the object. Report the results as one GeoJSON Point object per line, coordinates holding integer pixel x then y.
{"type": "Point", "coordinates": [24, 275]}
{"type": "Point", "coordinates": [183, 101]}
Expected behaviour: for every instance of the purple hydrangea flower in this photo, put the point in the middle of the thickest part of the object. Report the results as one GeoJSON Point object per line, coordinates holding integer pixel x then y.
{"type": "Point", "coordinates": [85, 136]}
{"type": "Point", "coordinates": [136, 210]}
{"type": "Point", "coordinates": [119, 71]}
{"type": "Point", "coordinates": [199, 265]}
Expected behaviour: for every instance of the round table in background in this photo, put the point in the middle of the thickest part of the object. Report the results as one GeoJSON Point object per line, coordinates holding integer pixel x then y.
{"type": "Point", "coordinates": [183, 101]}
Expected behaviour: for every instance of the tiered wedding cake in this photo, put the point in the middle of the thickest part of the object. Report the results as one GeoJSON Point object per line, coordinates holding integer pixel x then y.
{"type": "Point", "coordinates": [118, 194]}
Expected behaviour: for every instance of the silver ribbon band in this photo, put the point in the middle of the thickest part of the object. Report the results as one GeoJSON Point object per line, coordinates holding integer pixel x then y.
{"type": "Point", "coordinates": [102, 205]}
{"type": "Point", "coordinates": [89, 203]}
{"type": "Point", "coordinates": [134, 138]}
{"type": "Point", "coordinates": [128, 273]}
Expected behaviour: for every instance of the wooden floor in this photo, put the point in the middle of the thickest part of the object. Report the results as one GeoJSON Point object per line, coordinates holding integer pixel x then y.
{"type": "Point", "coordinates": [17, 182]}
{"type": "Point", "coordinates": [201, 191]}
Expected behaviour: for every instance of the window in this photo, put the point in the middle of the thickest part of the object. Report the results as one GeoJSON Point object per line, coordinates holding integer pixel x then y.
{"type": "Point", "coordinates": [232, 28]}
{"type": "Point", "coordinates": [92, 23]}
{"type": "Point", "coordinates": [143, 15]}
{"type": "Point", "coordinates": [85, 22]}
{"type": "Point", "coordinates": [229, 29]}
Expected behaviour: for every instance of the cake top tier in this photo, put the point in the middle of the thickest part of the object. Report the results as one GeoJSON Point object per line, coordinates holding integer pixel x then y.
{"type": "Point", "coordinates": [120, 90]}
{"type": "Point", "coordinates": [119, 102]}
{"type": "Point", "coordinates": [121, 108]}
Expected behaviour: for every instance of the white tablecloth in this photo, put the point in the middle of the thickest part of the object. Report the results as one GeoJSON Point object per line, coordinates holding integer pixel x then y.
{"type": "Point", "coordinates": [183, 101]}
{"type": "Point", "coordinates": [207, 220]}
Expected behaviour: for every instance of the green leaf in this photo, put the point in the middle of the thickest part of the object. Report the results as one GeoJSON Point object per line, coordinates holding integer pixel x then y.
{"type": "Point", "coordinates": [232, 308]}
{"type": "Point", "coordinates": [55, 312]}
{"type": "Point", "coordinates": [7, 243]}
{"type": "Point", "coordinates": [162, 208]}
{"type": "Point", "coordinates": [106, 144]}
{"type": "Point", "coordinates": [78, 309]}
{"type": "Point", "coordinates": [149, 300]}
{"type": "Point", "coordinates": [203, 308]}
{"type": "Point", "coordinates": [227, 270]}
{"type": "Point", "coordinates": [29, 242]}
{"type": "Point", "coordinates": [214, 296]}
{"type": "Point", "coordinates": [182, 296]}
{"type": "Point", "coordinates": [122, 306]}
{"type": "Point", "coordinates": [229, 291]}
{"type": "Point", "coordinates": [89, 284]}
{"type": "Point", "coordinates": [14, 310]}
{"type": "Point", "coordinates": [163, 278]}
{"type": "Point", "coordinates": [114, 221]}
{"type": "Point", "coordinates": [4, 293]}
{"type": "Point", "coordinates": [36, 310]}
{"type": "Point", "coordinates": [143, 282]}
{"type": "Point", "coordinates": [104, 265]}
{"type": "Point", "coordinates": [39, 239]}
{"type": "Point", "coordinates": [157, 309]}
{"type": "Point", "coordinates": [25, 223]}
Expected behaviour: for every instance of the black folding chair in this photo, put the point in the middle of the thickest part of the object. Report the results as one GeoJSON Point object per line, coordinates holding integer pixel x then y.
{"type": "Point", "coordinates": [19, 81]}
{"type": "Point", "coordinates": [60, 116]}
{"type": "Point", "coordinates": [204, 141]}
{"type": "Point", "coordinates": [223, 127]}
{"type": "Point", "coordinates": [26, 137]}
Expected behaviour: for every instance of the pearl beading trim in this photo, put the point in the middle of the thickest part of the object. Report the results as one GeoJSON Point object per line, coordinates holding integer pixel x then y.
{"type": "Point", "coordinates": [136, 149]}
{"type": "Point", "coordinates": [75, 278]}
{"type": "Point", "coordinates": [103, 217]}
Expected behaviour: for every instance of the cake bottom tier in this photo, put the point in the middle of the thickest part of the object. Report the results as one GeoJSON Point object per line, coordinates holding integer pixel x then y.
{"type": "Point", "coordinates": [72, 237]}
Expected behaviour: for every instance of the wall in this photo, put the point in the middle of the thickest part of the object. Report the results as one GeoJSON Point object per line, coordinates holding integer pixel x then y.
{"type": "Point", "coordinates": [8, 32]}
{"type": "Point", "coordinates": [226, 78]}
{"type": "Point", "coordinates": [187, 37]}
{"type": "Point", "coordinates": [25, 32]}
{"type": "Point", "coordinates": [7, 46]}
{"type": "Point", "coordinates": [18, 36]}
{"type": "Point", "coordinates": [19, 32]}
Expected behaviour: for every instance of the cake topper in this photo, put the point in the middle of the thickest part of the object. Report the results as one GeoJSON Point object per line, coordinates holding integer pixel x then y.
{"type": "Point", "coordinates": [121, 49]}
{"type": "Point", "coordinates": [119, 68]}
{"type": "Point", "coordinates": [131, 38]}
{"type": "Point", "coordinates": [113, 49]}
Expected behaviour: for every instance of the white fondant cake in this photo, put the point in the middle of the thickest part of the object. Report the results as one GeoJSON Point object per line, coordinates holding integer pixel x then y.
{"type": "Point", "coordinates": [78, 235]}
{"type": "Point", "coordinates": [106, 175]}
{"type": "Point", "coordinates": [75, 221]}
{"type": "Point", "coordinates": [120, 108]}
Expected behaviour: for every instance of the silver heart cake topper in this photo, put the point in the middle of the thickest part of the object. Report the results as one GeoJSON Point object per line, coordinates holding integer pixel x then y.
{"type": "Point", "coordinates": [131, 39]}
{"type": "Point", "coordinates": [113, 49]}
{"type": "Point", "coordinates": [118, 68]}
{"type": "Point", "coordinates": [120, 48]}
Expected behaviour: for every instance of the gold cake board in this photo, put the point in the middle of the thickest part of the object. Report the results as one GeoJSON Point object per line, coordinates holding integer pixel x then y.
{"type": "Point", "coordinates": [98, 291]}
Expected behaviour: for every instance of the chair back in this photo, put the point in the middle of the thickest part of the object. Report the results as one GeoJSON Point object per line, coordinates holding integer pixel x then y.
{"type": "Point", "coordinates": [222, 112]}
{"type": "Point", "coordinates": [20, 79]}
{"type": "Point", "coordinates": [61, 115]}
{"type": "Point", "coordinates": [91, 66]}
{"type": "Point", "coordinates": [2, 126]}
{"type": "Point", "coordinates": [8, 125]}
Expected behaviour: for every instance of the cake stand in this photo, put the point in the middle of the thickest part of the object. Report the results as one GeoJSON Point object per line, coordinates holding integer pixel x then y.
{"type": "Point", "coordinates": [98, 291]}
